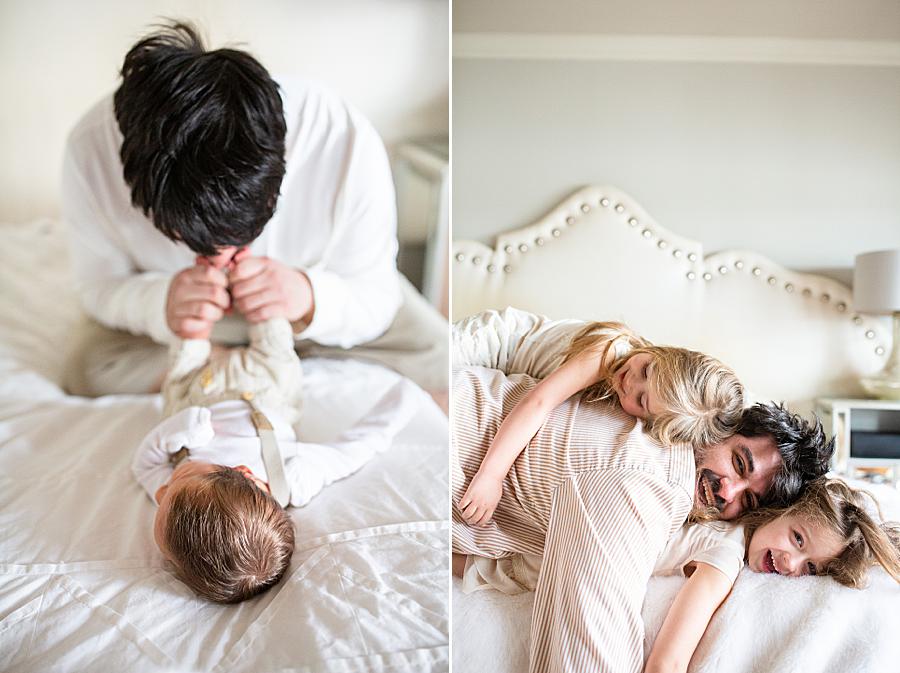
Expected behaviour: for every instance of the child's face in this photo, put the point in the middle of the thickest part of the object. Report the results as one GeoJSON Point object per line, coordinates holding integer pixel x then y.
{"type": "Point", "coordinates": [186, 475]}
{"type": "Point", "coordinates": [632, 386]}
{"type": "Point", "coordinates": [791, 545]}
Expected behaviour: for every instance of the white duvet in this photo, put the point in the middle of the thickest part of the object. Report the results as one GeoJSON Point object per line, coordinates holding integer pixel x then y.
{"type": "Point", "coordinates": [82, 586]}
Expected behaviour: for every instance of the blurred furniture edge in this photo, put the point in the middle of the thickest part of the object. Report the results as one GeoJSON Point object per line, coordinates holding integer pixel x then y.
{"type": "Point", "coordinates": [422, 179]}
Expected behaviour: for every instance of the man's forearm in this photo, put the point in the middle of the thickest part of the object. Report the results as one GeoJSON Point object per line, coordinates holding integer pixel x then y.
{"type": "Point", "coordinates": [136, 304]}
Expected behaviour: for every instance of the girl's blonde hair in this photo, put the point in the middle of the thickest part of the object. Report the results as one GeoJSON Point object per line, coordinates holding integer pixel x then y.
{"type": "Point", "coordinates": [703, 399]}
{"type": "Point", "coordinates": [832, 504]}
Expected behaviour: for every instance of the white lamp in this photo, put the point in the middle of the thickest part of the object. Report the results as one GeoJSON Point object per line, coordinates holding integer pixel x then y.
{"type": "Point", "coordinates": [876, 289]}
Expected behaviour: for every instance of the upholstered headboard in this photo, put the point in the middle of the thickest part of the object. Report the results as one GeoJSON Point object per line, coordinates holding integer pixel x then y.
{"type": "Point", "coordinates": [598, 255]}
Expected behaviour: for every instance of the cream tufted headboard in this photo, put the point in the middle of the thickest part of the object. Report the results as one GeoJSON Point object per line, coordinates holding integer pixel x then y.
{"type": "Point", "coordinates": [598, 255]}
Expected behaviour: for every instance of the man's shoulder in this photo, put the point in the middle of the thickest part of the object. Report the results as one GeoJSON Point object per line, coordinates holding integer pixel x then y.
{"type": "Point", "coordinates": [98, 121]}
{"type": "Point", "coordinates": [311, 106]}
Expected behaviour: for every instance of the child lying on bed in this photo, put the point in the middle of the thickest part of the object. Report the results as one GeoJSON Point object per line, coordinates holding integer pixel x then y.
{"type": "Point", "coordinates": [225, 460]}
{"type": "Point", "coordinates": [826, 532]}
{"type": "Point", "coordinates": [681, 396]}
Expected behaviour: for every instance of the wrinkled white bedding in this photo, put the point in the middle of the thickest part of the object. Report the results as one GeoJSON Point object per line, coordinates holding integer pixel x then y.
{"type": "Point", "coordinates": [82, 586]}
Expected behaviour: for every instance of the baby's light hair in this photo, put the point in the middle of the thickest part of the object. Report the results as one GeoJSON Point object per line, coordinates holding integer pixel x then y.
{"type": "Point", "coordinates": [702, 398]}
{"type": "Point", "coordinates": [839, 508]}
{"type": "Point", "coordinates": [228, 539]}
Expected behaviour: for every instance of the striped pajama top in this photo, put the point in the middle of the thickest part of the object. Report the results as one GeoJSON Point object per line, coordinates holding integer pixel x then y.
{"type": "Point", "coordinates": [595, 495]}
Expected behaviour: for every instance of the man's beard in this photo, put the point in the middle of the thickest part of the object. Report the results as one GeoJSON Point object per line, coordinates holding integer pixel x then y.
{"type": "Point", "coordinates": [706, 482]}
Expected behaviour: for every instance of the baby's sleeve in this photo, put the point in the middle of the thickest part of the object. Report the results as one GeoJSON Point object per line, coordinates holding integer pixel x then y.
{"type": "Point", "coordinates": [314, 466]}
{"type": "Point", "coordinates": [191, 427]}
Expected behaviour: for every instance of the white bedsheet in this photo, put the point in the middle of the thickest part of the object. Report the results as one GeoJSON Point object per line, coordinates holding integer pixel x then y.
{"type": "Point", "coordinates": [82, 586]}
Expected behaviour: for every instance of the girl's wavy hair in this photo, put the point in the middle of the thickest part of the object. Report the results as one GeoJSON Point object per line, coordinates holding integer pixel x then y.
{"type": "Point", "coordinates": [701, 397]}
{"type": "Point", "coordinates": [202, 138]}
{"type": "Point", "coordinates": [841, 509]}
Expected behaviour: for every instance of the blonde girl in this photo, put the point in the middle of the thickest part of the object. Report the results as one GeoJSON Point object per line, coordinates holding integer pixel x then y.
{"type": "Point", "coordinates": [828, 531]}
{"type": "Point", "coordinates": [679, 395]}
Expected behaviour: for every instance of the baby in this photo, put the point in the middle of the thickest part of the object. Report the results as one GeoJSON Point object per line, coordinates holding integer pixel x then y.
{"type": "Point", "coordinates": [225, 461]}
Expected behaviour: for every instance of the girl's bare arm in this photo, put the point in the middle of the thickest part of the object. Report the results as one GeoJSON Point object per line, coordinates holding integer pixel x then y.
{"type": "Point", "coordinates": [480, 499]}
{"type": "Point", "coordinates": [687, 620]}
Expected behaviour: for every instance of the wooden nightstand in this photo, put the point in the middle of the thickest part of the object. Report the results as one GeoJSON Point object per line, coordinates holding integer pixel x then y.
{"type": "Point", "coordinates": [867, 437]}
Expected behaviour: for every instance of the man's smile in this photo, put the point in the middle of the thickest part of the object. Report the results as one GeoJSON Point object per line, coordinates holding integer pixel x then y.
{"type": "Point", "coordinates": [706, 492]}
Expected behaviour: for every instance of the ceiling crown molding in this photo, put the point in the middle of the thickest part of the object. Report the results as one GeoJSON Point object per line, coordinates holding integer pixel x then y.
{"type": "Point", "coordinates": [684, 48]}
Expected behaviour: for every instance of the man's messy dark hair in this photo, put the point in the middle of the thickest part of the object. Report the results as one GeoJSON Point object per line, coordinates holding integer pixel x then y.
{"type": "Point", "coordinates": [203, 139]}
{"type": "Point", "coordinates": [805, 451]}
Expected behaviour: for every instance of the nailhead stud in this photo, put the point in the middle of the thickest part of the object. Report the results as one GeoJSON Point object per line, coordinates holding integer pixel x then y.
{"type": "Point", "coordinates": [646, 233]}
{"type": "Point", "coordinates": [539, 241]}
{"type": "Point", "coordinates": [879, 351]}
{"type": "Point", "coordinates": [555, 233]}
{"type": "Point", "coordinates": [476, 260]}
{"type": "Point", "coordinates": [507, 268]}
{"type": "Point", "coordinates": [691, 275]}
{"type": "Point", "coordinates": [692, 256]}
{"type": "Point", "coordinates": [739, 265]}
{"type": "Point", "coordinates": [509, 249]}
{"type": "Point", "coordinates": [841, 307]}
{"type": "Point", "coordinates": [632, 221]}
{"type": "Point", "coordinates": [707, 276]}
{"type": "Point", "coordinates": [570, 220]}
{"type": "Point", "coordinates": [870, 334]}
{"type": "Point", "coordinates": [619, 208]}
{"type": "Point", "coordinates": [661, 244]}
{"type": "Point", "coordinates": [723, 269]}
{"type": "Point", "coordinates": [585, 208]}
{"type": "Point", "coordinates": [604, 202]}
{"type": "Point", "coordinates": [676, 253]}
{"type": "Point", "coordinates": [491, 268]}
{"type": "Point", "coordinates": [771, 280]}
{"type": "Point", "coordinates": [789, 287]}
{"type": "Point", "coordinates": [757, 271]}
{"type": "Point", "coordinates": [523, 248]}
{"type": "Point", "coordinates": [460, 257]}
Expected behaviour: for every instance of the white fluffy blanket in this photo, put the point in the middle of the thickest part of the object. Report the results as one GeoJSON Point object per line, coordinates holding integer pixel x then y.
{"type": "Point", "coordinates": [767, 624]}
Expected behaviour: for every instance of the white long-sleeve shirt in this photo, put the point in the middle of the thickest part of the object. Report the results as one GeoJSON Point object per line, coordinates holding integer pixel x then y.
{"type": "Point", "coordinates": [335, 220]}
{"type": "Point", "coordinates": [223, 434]}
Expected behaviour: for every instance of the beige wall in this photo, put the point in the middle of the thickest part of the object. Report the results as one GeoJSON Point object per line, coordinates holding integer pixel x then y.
{"type": "Point", "coordinates": [387, 57]}
{"type": "Point", "coordinates": [799, 161]}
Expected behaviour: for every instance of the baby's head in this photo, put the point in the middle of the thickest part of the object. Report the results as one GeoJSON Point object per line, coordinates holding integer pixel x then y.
{"type": "Point", "coordinates": [681, 395]}
{"type": "Point", "coordinates": [826, 532]}
{"type": "Point", "coordinates": [226, 535]}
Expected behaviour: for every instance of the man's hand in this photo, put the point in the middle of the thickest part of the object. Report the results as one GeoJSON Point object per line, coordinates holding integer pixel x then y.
{"type": "Point", "coordinates": [264, 288]}
{"type": "Point", "coordinates": [197, 300]}
{"type": "Point", "coordinates": [480, 499]}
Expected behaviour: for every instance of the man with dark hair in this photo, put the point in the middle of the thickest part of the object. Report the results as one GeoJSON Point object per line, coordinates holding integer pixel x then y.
{"type": "Point", "coordinates": [286, 192]}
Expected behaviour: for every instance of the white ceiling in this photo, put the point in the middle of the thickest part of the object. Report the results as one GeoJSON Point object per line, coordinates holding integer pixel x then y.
{"type": "Point", "coordinates": [809, 19]}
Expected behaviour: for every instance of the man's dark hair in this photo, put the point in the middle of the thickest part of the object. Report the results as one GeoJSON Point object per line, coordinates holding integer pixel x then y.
{"type": "Point", "coordinates": [805, 452]}
{"type": "Point", "coordinates": [203, 139]}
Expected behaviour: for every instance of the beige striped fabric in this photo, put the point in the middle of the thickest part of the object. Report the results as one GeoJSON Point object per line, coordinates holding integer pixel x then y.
{"type": "Point", "coordinates": [595, 495]}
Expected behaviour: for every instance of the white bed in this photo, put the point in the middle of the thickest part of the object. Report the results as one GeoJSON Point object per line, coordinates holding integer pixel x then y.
{"type": "Point", "coordinates": [789, 336]}
{"type": "Point", "coordinates": [82, 586]}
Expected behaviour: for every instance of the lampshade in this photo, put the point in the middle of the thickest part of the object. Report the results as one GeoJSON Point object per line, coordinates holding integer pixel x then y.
{"type": "Point", "coordinates": [876, 282]}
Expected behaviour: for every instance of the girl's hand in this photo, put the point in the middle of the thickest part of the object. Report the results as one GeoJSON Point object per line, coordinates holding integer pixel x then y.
{"type": "Point", "coordinates": [480, 499]}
